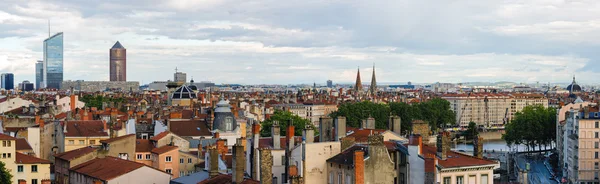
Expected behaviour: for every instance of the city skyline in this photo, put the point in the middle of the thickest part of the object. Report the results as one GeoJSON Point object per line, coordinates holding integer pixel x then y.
{"type": "Point", "coordinates": [291, 43]}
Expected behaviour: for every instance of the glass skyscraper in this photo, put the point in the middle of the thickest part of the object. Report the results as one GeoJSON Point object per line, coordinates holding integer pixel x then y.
{"type": "Point", "coordinates": [39, 74]}
{"type": "Point", "coordinates": [8, 81]}
{"type": "Point", "coordinates": [53, 61]}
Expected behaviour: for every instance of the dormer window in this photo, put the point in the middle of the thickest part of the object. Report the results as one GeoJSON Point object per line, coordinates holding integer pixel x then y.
{"type": "Point", "coordinates": [228, 123]}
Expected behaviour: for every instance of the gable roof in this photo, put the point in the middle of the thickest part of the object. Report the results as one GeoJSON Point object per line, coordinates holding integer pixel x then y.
{"type": "Point", "coordinates": [21, 158]}
{"type": "Point", "coordinates": [143, 145]}
{"type": "Point", "coordinates": [6, 137]}
{"type": "Point", "coordinates": [92, 128]}
{"type": "Point", "coordinates": [160, 136]}
{"type": "Point", "coordinates": [22, 144]}
{"type": "Point", "coordinates": [111, 140]}
{"type": "Point", "coordinates": [107, 168]}
{"type": "Point", "coordinates": [189, 128]}
{"type": "Point", "coordinates": [73, 154]}
{"type": "Point", "coordinates": [456, 159]}
{"type": "Point", "coordinates": [362, 135]}
{"type": "Point", "coordinates": [163, 149]}
{"type": "Point", "coordinates": [346, 157]}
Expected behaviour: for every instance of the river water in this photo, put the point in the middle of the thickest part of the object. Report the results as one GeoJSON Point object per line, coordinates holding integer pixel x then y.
{"type": "Point", "coordinates": [489, 145]}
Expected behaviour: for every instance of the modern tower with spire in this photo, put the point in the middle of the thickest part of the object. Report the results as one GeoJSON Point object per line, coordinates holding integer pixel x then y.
{"type": "Point", "coordinates": [373, 87]}
{"type": "Point", "coordinates": [118, 63]}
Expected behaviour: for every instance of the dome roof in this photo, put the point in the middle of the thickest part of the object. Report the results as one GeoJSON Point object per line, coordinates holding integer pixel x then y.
{"type": "Point", "coordinates": [184, 92]}
{"type": "Point", "coordinates": [574, 87]}
{"type": "Point", "coordinates": [224, 119]}
{"type": "Point", "coordinates": [223, 106]}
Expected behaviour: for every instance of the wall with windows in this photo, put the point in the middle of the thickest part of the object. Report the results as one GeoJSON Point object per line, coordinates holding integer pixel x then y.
{"type": "Point", "coordinates": [7, 155]}
{"type": "Point", "coordinates": [72, 143]}
{"type": "Point", "coordinates": [144, 158]}
{"type": "Point", "coordinates": [464, 176]}
{"type": "Point", "coordinates": [187, 163]}
{"type": "Point", "coordinates": [168, 162]}
{"type": "Point", "coordinates": [589, 150]}
{"type": "Point", "coordinates": [32, 173]}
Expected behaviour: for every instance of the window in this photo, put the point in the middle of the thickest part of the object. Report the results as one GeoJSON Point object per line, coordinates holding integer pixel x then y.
{"type": "Point", "coordinates": [3, 143]}
{"type": "Point", "coordinates": [168, 171]}
{"type": "Point", "coordinates": [168, 159]}
{"type": "Point", "coordinates": [331, 178]}
{"type": "Point", "coordinates": [3, 155]}
{"type": "Point", "coordinates": [283, 160]}
{"type": "Point", "coordinates": [181, 160]}
{"type": "Point", "coordinates": [189, 160]}
{"type": "Point", "coordinates": [348, 179]}
{"type": "Point", "coordinates": [34, 181]}
{"type": "Point", "coordinates": [282, 178]}
{"type": "Point", "coordinates": [124, 156]}
{"type": "Point", "coordinates": [596, 144]}
{"type": "Point", "coordinates": [340, 178]}
{"type": "Point", "coordinates": [34, 168]}
{"type": "Point", "coordinates": [71, 142]}
{"type": "Point", "coordinates": [484, 179]}
{"type": "Point", "coordinates": [92, 142]}
{"type": "Point", "coordinates": [144, 136]}
{"type": "Point", "coordinates": [8, 143]}
{"type": "Point", "coordinates": [139, 156]}
{"type": "Point", "coordinates": [595, 165]}
{"type": "Point", "coordinates": [596, 154]}
{"type": "Point", "coordinates": [446, 180]}
{"type": "Point", "coordinates": [181, 173]}
{"type": "Point", "coordinates": [147, 156]}
{"type": "Point", "coordinates": [8, 155]}
{"type": "Point", "coordinates": [20, 168]}
{"type": "Point", "coordinates": [460, 180]}
{"type": "Point", "coordinates": [81, 142]}
{"type": "Point", "coordinates": [597, 125]}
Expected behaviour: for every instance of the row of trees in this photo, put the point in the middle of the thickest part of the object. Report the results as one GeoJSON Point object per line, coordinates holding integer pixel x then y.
{"type": "Point", "coordinates": [436, 112]}
{"type": "Point", "coordinates": [533, 126]}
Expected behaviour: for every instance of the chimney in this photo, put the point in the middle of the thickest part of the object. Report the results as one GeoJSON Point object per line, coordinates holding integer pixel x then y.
{"type": "Point", "coordinates": [213, 162]}
{"type": "Point", "coordinates": [478, 147]}
{"type": "Point", "coordinates": [46, 181]}
{"type": "Point", "coordinates": [325, 129]}
{"type": "Point", "coordinates": [359, 167]}
{"type": "Point", "coordinates": [105, 128]}
{"type": "Point", "coordinates": [394, 124]}
{"type": "Point", "coordinates": [239, 164]}
{"type": "Point", "coordinates": [37, 119]}
{"type": "Point", "coordinates": [370, 123]}
{"type": "Point", "coordinates": [21, 181]}
{"type": "Point", "coordinates": [363, 124]}
{"type": "Point", "coordinates": [217, 135]}
{"type": "Point", "coordinates": [275, 135]}
{"type": "Point", "coordinates": [340, 127]}
{"type": "Point", "coordinates": [417, 140]}
{"type": "Point", "coordinates": [347, 142]}
{"type": "Point", "coordinates": [222, 147]}
{"type": "Point", "coordinates": [308, 134]}
{"type": "Point", "coordinates": [443, 145]}
{"type": "Point", "coordinates": [73, 101]}
{"type": "Point", "coordinates": [254, 151]}
{"type": "Point", "coordinates": [86, 116]}
{"type": "Point", "coordinates": [290, 136]}
{"type": "Point", "coordinates": [266, 166]}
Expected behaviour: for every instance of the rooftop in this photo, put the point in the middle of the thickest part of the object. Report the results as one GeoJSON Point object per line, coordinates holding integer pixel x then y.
{"type": "Point", "coordinates": [164, 149]}
{"type": "Point", "coordinates": [26, 159]}
{"type": "Point", "coordinates": [92, 128]}
{"type": "Point", "coordinates": [111, 140]}
{"type": "Point", "coordinates": [73, 154]}
{"type": "Point", "coordinates": [106, 168]}
{"type": "Point", "coordinates": [22, 144]}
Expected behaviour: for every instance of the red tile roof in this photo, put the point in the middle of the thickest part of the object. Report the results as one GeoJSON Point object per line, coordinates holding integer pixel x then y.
{"type": "Point", "coordinates": [457, 159]}
{"type": "Point", "coordinates": [73, 154]}
{"type": "Point", "coordinates": [26, 159]}
{"type": "Point", "coordinates": [22, 144]}
{"type": "Point", "coordinates": [143, 145]}
{"type": "Point", "coordinates": [6, 137]}
{"type": "Point", "coordinates": [362, 135]}
{"type": "Point", "coordinates": [160, 136]}
{"type": "Point", "coordinates": [111, 140]}
{"type": "Point", "coordinates": [226, 179]}
{"type": "Point", "coordinates": [107, 168]}
{"type": "Point", "coordinates": [164, 149]}
{"type": "Point", "coordinates": [189, 128]}
{"type": "Point", "coordinates": [92, 128]}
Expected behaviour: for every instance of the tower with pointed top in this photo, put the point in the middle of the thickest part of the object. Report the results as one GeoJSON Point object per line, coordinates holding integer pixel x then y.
{"type": "Point", "coordinates": [373, 87]}
{"type": "Point", "coordinates": [358, 85]}
{"type": "Point", "coordinates": [118, 63]}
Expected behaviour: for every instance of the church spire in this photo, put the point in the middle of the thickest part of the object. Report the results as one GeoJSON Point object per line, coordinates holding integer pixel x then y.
{"type": "Point", "coordinates": [373, 87]}
{"type": "Point", "coordinates": [358, 85]}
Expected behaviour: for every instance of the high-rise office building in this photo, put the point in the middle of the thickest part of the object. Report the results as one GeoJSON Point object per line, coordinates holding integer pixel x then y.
{"type": "Point", "coordinates": [118, 63]}
{"type": "Point", "coordinates": [53, 61]}
{"type": "Point", "coordinates": [8, 81]}
{"type": "Point", "coordinates": [180, 76]}
{"type": "Point", "coordinates": [329, 83]}
{"type": "Point", "coordinates": [26, 86]}
{"type": "Point", "coordinates": [39, 74]}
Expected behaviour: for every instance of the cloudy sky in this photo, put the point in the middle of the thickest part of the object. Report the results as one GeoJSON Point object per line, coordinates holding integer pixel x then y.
{"type": "Point", "coordinates": [281, 41]}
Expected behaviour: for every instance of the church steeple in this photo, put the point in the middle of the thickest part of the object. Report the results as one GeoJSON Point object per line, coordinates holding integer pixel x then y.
{"type": "Point", "coordinates": [373, 87]}
{"type": "Point", "coordinates": [358, 85]}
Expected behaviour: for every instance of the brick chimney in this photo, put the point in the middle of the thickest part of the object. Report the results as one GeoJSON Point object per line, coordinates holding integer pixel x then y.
{"type": "Point", "coordinates": [443, 145]}
{"type": "Point", "coordinates": [290, 136]}
{"type": "Point", "coordinates": [359, 167]}
{"type": "Point", "coordinates": [21, 181]}
{"type": "Point", "coordinates": [239, 163]}
{"type": "Point", "coordinates": [254, 151]}
{"type": "Point", "coordinates": [416, 140]}
{"type": "Point", "coordinates": [86, 116]}
{"type": "Point", "coordinates": [213, 162]}
{"type": "Point", "coordinates": [222, 147]}
{"type": "Point", "coordinates": [217, 135]}
{"type": "Point", "coordinates": [37, 119]}
{"type": "Point", "coordinates": [275, 135]}
{"type": "Point", "coordinates": [394, 124]}
{"type": "Point", "coordinates": [347, 142]}
{"type": "Point", "coordinates": [308, 134]}
{"type": "Point", "coordinates": [478, 147]}
{"type": "Point", "coordinates": [73, 101]}
{"type": "Point", "coordinates": [340, 128]}
{"type": "Point", "coordinates": [105, 126]}
{"type": "Point", "coordinates": [266, 166]}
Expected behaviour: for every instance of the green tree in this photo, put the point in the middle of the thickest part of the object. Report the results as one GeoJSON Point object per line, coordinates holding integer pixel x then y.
{"type": "Point", "coordinates": [435, 111]}
{"type": "Point", "coordinates": [5, 176]}
{"type": "Point", "coordinates": [533, 126]}
{"type": "Point", "coordinates": [284, 117]}
{"type": "Point", "coordinates": [472, 131]}
{"type": "Point", "coordinates": [98, 100]}
{"type": "Point", "coordinates": [355, 112]}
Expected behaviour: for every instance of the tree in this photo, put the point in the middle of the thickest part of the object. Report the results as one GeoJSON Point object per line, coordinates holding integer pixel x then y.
{"type": "Point", "coordinates": [532, 126]}
{"type": "Point", "coordinates": [98, 100]}
{"type": "Point", "coordinates": [472, 131]}
{"type": "Point", "coordinates": [284, 117]}
{"type": "Point", "coordinates": [435, 111]}
{"type": "Point", "coordinates": [358, 111]}
{"type": "Point", "coordinates": [5, 176]}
